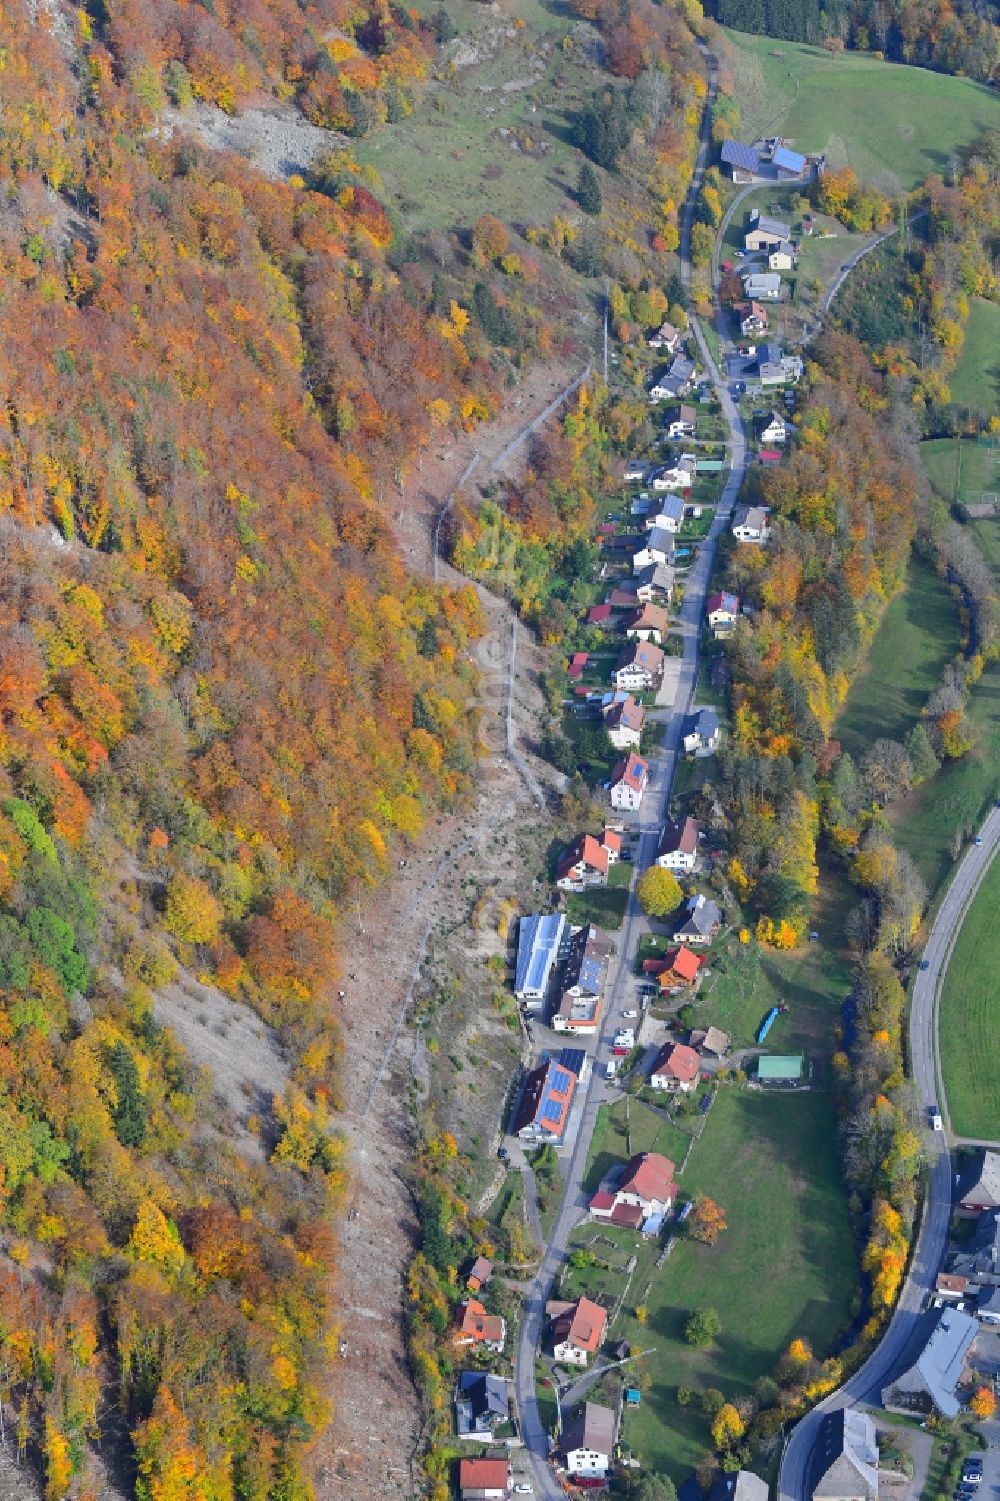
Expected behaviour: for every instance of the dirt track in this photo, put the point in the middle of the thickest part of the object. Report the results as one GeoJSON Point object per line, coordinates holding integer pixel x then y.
{"type": "Point", "coordinates": [375, 1428]}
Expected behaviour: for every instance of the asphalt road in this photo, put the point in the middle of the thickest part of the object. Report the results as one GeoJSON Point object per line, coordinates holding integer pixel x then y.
{"type": "Point", "coordinates": [662, 770]}
{"type": "Point", "coordinates": [901, 1341]}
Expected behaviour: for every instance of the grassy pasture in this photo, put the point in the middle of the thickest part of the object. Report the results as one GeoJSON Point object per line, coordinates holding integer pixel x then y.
{"type": "Point", "coordinates": [785, 1266]}
{"type": "Point", "coordinates": [893, 124]}
{"type": "Point", "coordinates": [969, 1035]}
{"type": "Point", "coordinates": [976, 378]}
{"type": "Point", "coordinates": [917, 637]}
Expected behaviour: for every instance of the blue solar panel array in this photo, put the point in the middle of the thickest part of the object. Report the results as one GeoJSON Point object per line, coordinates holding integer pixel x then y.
{"type": "Point", "coordinates": [551, 1111]}
{"type": "Point", "coordinates": [736, 154]}
{"type": "Point", "coordinates": [560, 1080]}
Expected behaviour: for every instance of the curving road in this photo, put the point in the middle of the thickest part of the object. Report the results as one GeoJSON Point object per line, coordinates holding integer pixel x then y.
{"type": "Point", "coordinates": [901, 1340]}
{"type": "Point", "coordinates": [662, 769]}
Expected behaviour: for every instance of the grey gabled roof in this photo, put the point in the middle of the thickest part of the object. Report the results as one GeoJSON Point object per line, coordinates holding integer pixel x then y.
{"type": "Point", "coordinates": [590, 1427]}
{"type": "Point", "coordinates": [772, 227]}
{"type": "Point", "coordinates": [844, 1460]}
{"type": "Point", "coordinates": [942, 1359]}
{"type": "Point", "coordinates": [981, 1181]}
{"type": "Point", "coordinates": [739, 1485]}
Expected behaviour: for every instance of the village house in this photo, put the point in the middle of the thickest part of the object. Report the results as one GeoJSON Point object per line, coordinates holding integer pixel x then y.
{"type": "Point", "coordinates": [675, 1068]}
{"type": "Point", "coordinates": [931, 1383]}
{"type": "Point", "coordinates": [474, 1326]}
{"type": "Point", "coordinates": [657, 547]}
{"type": "Point", "coordinates": [977, 1261]}
{"type": "Point", "coordinates": [624, 718]}
{"type": "Point", "coordinates": [578, 1331]}
{"type": "Point", "coordinates": [699, 921]}
{"type": "Point", "coordinates": [843, 1465]}
{"type": "Point", "coordinates": [669, 514]}
{"type": "Point", "coordinates": [750, 524]}
{"type": "Point", "coordinates": [541, 938]}
{"type": "Point", "coordinates": [666, 337]}
{"type": "Point", "coordinates": [702, 733]}
{"type": "Point", "coordinates": [656, 581]}
{"type": "Point", "coordinates": [723, 610]}
{"type": "Point", "coordinates": [648, 624]}
{"type": "Point", "coordinates": [753, 318]}
{"type": "Point", "coordinates": [678, 476]}
{"type": "Point", "coordinates": [679, 846]}
{"type": "Point", "coordinates": [682, 422]}
{"type": "Point", "coordinates": [587, 860]}
{"type": "Point", "coordinates": [979, 1185]}
{"type": "Point", "coordinates": [762, 286]}
{"type": "Point", "coordinates": [709, 1042]}
{"type": "Point", "coordinates": [765, 233]}
{"type": "Point", "coordinates": [599, 615]}
{"type": "Point", "coordinates": [628, 784]}
{"type": "Point", "coordinates": [673, 382]}
{"type": "Point", "coordinates": [771, 367]}
{"type": "Point", "coordinates": [480, 1273]}
{"type": "Point", "coordinates": [646, 1188]}
{"type": "Point", "coordinates": [588, 1441]}
{"type": "Point", "coordinates": [775, 430]}
{"type": "Point", "coordinates": [742, 160]}
{"type": "Point", "coordinates": [635, 471]}
{"type": "Point", "coordinates": [543, 1110]}
{"type": "Point", "coordinates": [582, 983]}
{"type": "Point", "coordinates": [484, 1479]}
{"type": "Point", "coordinates": [782, 257]}
{"type": "Point", "coordinates": [675, 970]}
{"type": "Point", "coordinates": [481, 1405]}
{"type": "Point", "coordinates": [639, 667]}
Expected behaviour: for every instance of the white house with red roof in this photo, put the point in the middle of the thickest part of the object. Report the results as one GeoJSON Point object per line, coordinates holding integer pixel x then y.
{"type": "Point", "coordinates": [679, 845]}
{"type": "Point", "coordinates": [647, 1187]}
{"type": "Point", "coordinates": [650, 623]}
{"type": "Point", "coordinates": [628, 784]}
{"type": "Point", "coordinates": [624, 718]}
{"type": "Point", "coordinates": [587, 861]}
{"type": "Point", "coordinates": [675, 1067]}
{"type": "Point", "coordinates": [578, 1331]}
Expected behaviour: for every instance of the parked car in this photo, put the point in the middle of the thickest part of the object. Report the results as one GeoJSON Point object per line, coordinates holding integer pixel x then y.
{"type": "Point", "coordinates": [925, 964]}
{"type": "Point", "coordinates": [978, 839]}
{"type": "Point", "coordinates": [630, 1016]}
{"type": "Point", "coordinates": [934, 1116]}
{"type": "Point", "coordinates": [611, 1068]}
{"type": "Point", "coordinates": [524, 1489]}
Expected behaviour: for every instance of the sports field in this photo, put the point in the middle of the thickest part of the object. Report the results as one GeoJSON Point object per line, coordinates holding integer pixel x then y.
{"type": "Point", "coordinates": [969, 1012]}
{"type": "Point", "coordinates": [894, 125]}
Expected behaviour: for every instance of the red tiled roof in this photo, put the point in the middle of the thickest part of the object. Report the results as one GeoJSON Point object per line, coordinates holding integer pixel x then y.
{"type": "Point", "coordinates": [649, 618]}
{"type": "Point", "coordinates": [612, 841]}
{"type": "Point", "coordinates": [575, 670]}
{"type": "Point", "coordinates": [483, 1474]}
{"type": "Point", "coordinates": [472, 1319]}
{"type": "Point", "coordinates": [587, 1326]}
{"type": "Point", "coordinates": [649, 1175]}
{"type": "Point", "coordinates": [633, 772]}
{"type": "Point", "coordinates": [602, 1200]}
{"type": "Point", "coordinates": [581, 657]}
{"type": "Point", "coordinates": [770, 456]}
{"type": "Point", "coordinates": [598, 614]}
{"type": "Point", "coordinates": [683, 1063]}
{"type": "Point", "coordinates": [629, 1216]}
{"type": "Point", "coordinates": [586, 849]}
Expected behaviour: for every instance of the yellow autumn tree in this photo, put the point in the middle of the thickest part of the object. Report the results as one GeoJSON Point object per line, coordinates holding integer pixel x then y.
{"type": "Point", "coordinates": [727, 1427]}
{"type": "Point", "coordinates": [154, 1238]}
{"type": "Point", "coordinates": [193, 914]}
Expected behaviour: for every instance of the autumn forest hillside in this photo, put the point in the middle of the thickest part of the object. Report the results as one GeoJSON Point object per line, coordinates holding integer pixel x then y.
{"type": "Point", "coordinates": [224, 705]}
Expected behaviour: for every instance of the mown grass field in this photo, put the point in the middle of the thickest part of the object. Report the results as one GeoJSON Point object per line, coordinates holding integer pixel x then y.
{"type": "Point", "coordinates": [786, 1266]}
{"type": "Point", "coordinates": [976, 378]}
{"type": "Point", "coordinates": [959, 469]}
{"type": "Point", "coordinates": [894, 125]}
{"type": "Point", "coordinates": [919, 634]}
{"type": "Point", "coordinates": [969, 1012]}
